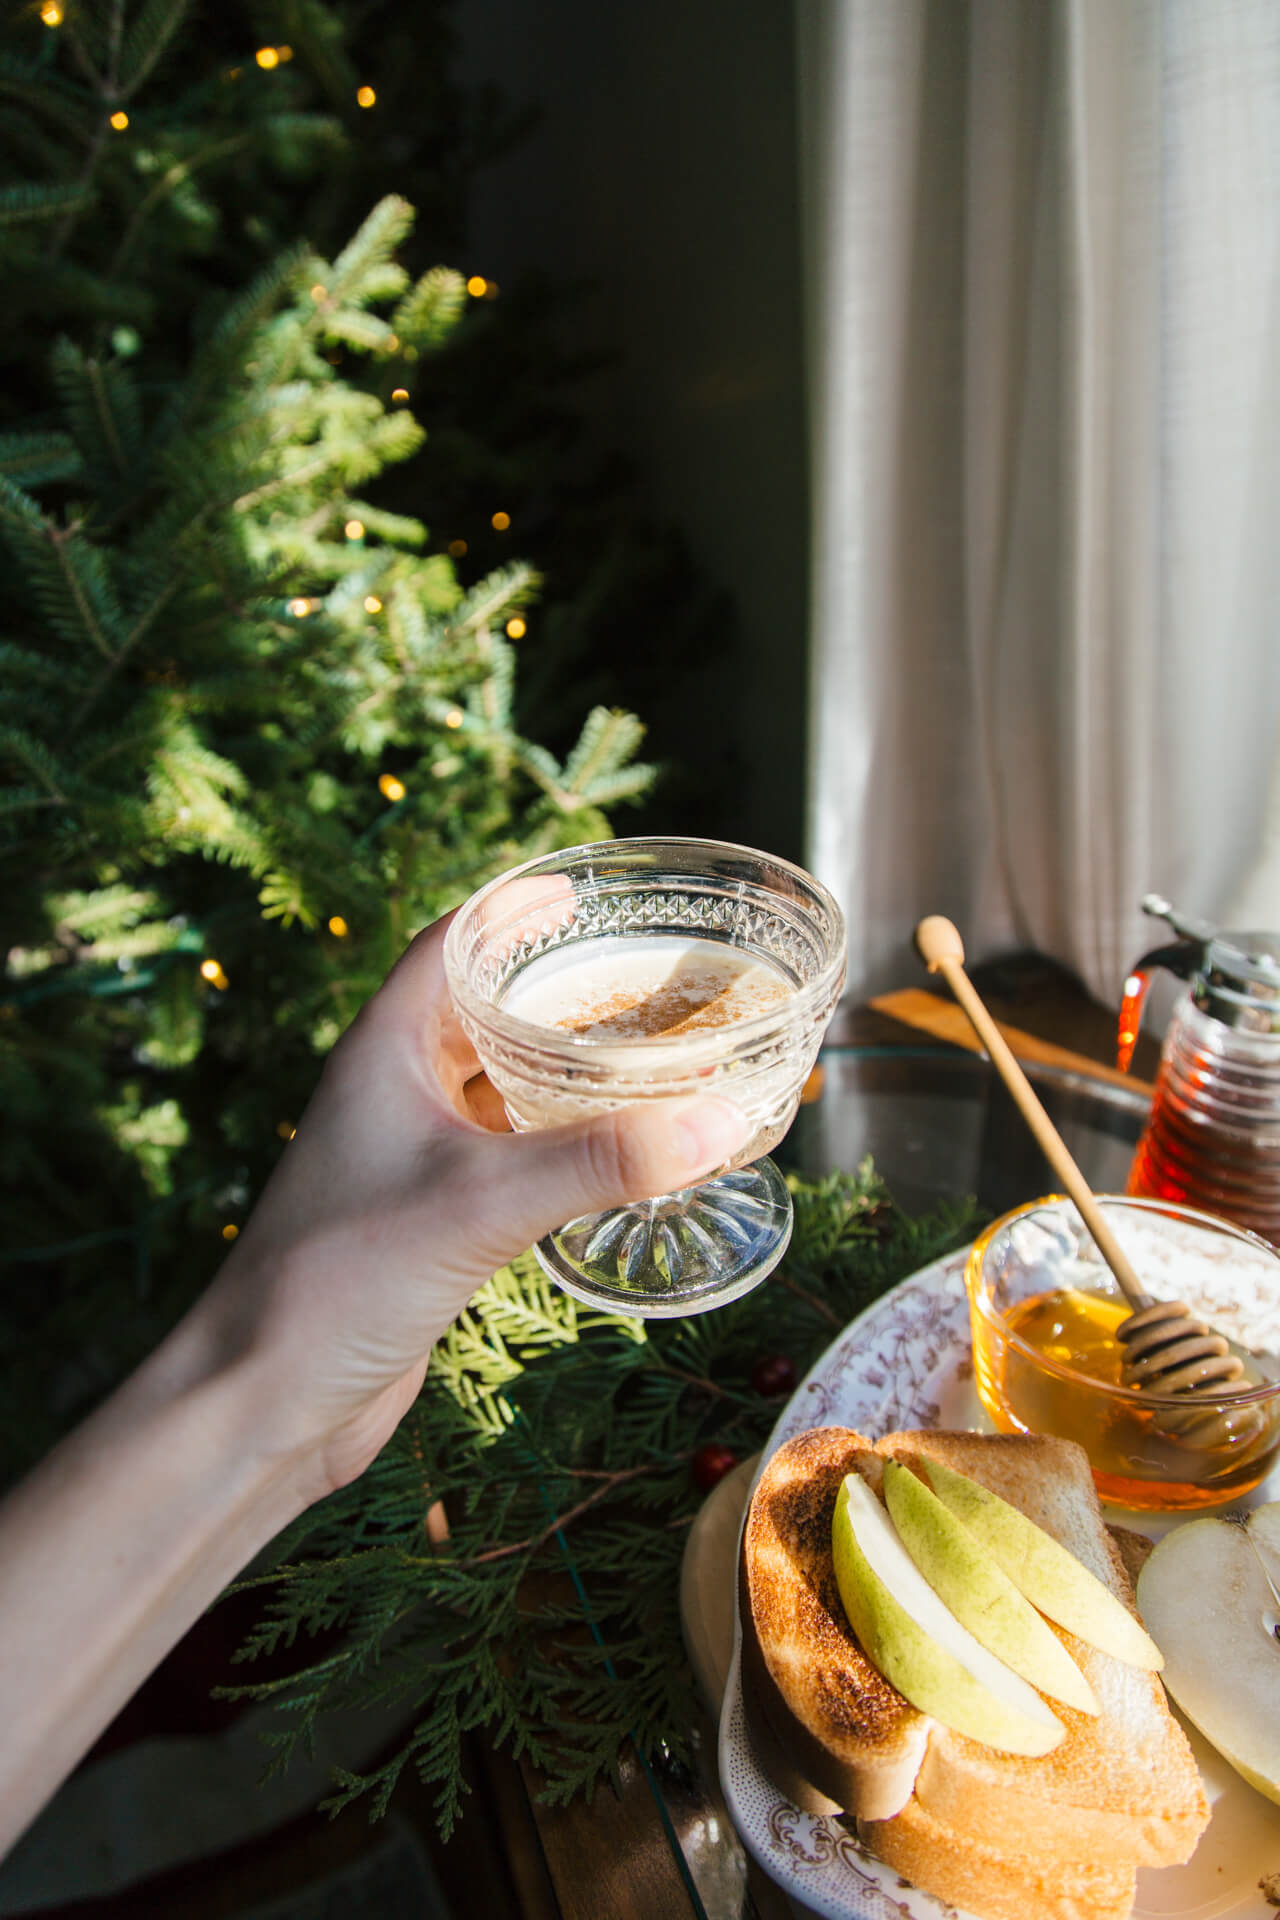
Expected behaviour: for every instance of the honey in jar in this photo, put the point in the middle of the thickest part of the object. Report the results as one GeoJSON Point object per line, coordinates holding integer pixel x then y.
{"type": "Point", "coordinates": [1047, 1358]}
{"type": "Point", "coordinates": [1213, 1137]}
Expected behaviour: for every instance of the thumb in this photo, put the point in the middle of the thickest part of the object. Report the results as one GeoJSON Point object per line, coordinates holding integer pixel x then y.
{"type": "Point", "coordinates": [554, 1175]}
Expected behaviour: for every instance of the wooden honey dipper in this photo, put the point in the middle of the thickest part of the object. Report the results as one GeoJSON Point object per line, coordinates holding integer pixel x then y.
{"type": "Point", "coordinates": [1167, 1349]}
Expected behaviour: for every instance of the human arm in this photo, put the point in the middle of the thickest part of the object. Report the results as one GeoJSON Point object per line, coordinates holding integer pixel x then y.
{"type": "Point", "coordinates": [388, 1210]}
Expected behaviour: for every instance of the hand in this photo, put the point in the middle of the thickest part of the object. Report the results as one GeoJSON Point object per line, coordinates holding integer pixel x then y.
{"type": "Point", "coordinates": [393, 1204]}
{"type": "Point", "coordinates": [396, 1200]}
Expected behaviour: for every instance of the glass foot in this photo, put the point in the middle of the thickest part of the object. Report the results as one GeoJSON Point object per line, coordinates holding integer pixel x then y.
{"type": "Point", "coordinates": [679, 1254]}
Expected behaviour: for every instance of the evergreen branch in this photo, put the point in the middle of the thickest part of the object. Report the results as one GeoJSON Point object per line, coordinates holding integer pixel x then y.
{"type": "Point", "coordinates": [59, 541]}
{"type": "Point", "coordinates": [432, 308]}
{"type": "Point", "coordinates": [33, 459]}
{"type": "Point", "coordinates": [47, 202]}
{"type": "Point", "coordinates": [80, 53]}
{"type": "Point", "coordinates": [373, 242]}
{"type": "Point", "coordinates": [35, 756]}
{"type": "Point", "coordinates": [610, 1483]}
{"type": "Point", "coordinates": [171, 179]}
{"type": "Point", "coordinates": [497, 594]}
{"type": "Point", "coordinates": [146, 40]}
{"type": "Point", "coordinates": [137, 632]}
{"type": "Point", "coordinates": [607, 739]}
{"type": "Point", "coordinates": [19, 508]}
{"type": "Point", "coordinates": [51, 97]}
{"type": "Point", "coordinates": [106, 419]}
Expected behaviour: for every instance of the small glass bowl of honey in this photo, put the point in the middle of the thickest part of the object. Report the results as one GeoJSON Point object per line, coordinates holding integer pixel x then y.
{"type": "Point", "coordinates": [1044, 1309]}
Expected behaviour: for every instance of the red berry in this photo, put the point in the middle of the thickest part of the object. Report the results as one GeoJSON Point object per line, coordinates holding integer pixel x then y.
{"type": "Point", "coordinates": [711, 1463]}
{"type": "Point", "coordinates": [773, 1374]}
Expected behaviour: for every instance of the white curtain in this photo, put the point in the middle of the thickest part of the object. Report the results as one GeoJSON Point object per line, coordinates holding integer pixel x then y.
{"type": "Point", "coordinates": [1043, 279]}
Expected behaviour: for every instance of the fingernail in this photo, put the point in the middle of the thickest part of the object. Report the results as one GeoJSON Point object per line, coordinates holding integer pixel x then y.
{"type": "Point", "coordinates": [710, 1132]}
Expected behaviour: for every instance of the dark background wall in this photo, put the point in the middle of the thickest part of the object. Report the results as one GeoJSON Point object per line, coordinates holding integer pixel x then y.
{"type": "Point", "coordinates": [661, 170]}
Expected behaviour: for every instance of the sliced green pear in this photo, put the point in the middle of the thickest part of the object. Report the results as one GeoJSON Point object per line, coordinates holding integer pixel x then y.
{"type": "Point", "coordinates": [1211, 1591]}
{"type": "Point", "coordinates": [1047, 1573]}
{"type": "Point", "coordinates": [981, 1595]}
{"type": "Point", "coordinates": [918, 1644]}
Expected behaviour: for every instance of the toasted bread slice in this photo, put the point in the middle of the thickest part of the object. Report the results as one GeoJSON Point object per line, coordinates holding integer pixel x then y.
{"type": "Point", "coordinates": [831, 1730]}
{"type": "Point", "coordinates": [1123, 1786]}
{"type": "Point", "coordinates": [984, 1880]}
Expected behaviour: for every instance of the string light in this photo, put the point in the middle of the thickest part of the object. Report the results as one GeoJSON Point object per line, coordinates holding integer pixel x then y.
{"type": "Point", "coordinates": [354, 529]}
{"type": "Point", "coordinates": [231, 1231]}
{"type": "Point", "coordinates": [338, 927]}
{"type": "Point", "coordinates": [454, 717]}
{"type": "Point", "coordinates": [285, 1129]}
{"type": "Point", "coordinates": [211, 970]}
{"type": "Point", "coordinates": [120, 120]}
{"type": "Point", "coordinates": [51, 13]}
{"type": "Point", "coordinates": [267, 57]}
{"type": "Point", "coordinates": [299, 608]}
{"type": "Point", "coordinates": [318, 293]}
{"type": "Point", "coordinates": [457, 548]}
{"type": "Point", "coordinates": [400, 395]}
{"type": "Point", "coordinates": [477, 286]}
{"type": "Point", "coordinates": [390, 788]}
{"type": "Point", "coordinates": [516, 628]}
{"type": "Point", "coordinates": [285, 53]}
{"type": "Point", "coordinates": [372, 604]}
{"type": "Point", "coordinates": [365, 96]}
{"type": "Point", "coordinates": [500, 522]}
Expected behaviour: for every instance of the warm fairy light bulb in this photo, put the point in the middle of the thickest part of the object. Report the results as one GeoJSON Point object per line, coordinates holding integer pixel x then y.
{"type": "Point", "coordinates": [372, 604]}
{"type": "Point", "coordinates": [454, 717]}
{"type": "Point", "coordinates": [477, 286]}
{"type": "Point", "coordinates": [354, 529]}
{"type": "Point", "coordinates": [318, 292]}
{"type": "Point", "coordinates": [500, 522]}
{"type": "Point", "coordinates": [365, 96]}
{"type": "Point", "coordinates": [267, 57]}
{"type": "Point", "coordinates": [210, 969]}
{"type": "Point", "coordinates": [338, 927]}
{"type": "Point", "coordinates": [390, 788]}
{"type": "Point", "coordinates": [516, 628]}
{"type": "Point", "coordinates": [51, 13]}
{"type": "Point", "coordinates": [400, 395]}
{"type": "Point", "coordinates": [285, 1129]}
{"type": "Point", "coordinates": [298, 608]}
{"type": "Point", "coordinates": [230, 1231]}
{"type": "Point", "coordinates": [120, 120]}
{"type": "Point", "coordinates": [285, 53]}
{"type": "Point", "coordinates": [457, 548]}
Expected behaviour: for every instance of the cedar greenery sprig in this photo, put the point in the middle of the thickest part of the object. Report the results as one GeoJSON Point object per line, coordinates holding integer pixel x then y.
{"type": "Point", "coordinates": [558, 1442]}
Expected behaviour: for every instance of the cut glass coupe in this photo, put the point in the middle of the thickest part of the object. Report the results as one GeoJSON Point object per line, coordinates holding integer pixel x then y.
{"type": "Point", "coordinates": [648, 969]}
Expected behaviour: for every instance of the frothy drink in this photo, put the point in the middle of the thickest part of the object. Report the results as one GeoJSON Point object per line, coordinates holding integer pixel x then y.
{"type": "Point", "coordinates": [645, 987]}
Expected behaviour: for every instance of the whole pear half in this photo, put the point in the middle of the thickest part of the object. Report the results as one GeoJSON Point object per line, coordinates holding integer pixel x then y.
{"type": "Point", "coordinates": [1210, 1594]}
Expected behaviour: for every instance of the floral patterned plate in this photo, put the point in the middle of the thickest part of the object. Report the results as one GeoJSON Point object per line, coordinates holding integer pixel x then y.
{"type": "Point", "coordinates": [905, 1363]}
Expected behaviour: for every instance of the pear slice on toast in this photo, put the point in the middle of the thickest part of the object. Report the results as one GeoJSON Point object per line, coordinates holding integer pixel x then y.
{"type": "Point", "coordinates": [918, 1644]}
{"type": "Point", "coordinates": [1047, 1573]}
{"type": "Point", "coordinates": [967, 1578]}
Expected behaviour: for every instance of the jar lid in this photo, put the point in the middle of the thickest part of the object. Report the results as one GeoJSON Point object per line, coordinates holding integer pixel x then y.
{"type": "Point", "coordinates": [1239, 981]}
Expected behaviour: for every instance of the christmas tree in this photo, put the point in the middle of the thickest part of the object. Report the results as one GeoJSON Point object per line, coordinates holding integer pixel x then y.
{"type": "Point", "coordinates": [261, 720]}
{"type": "Point", "coordinates": [256, 728]}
